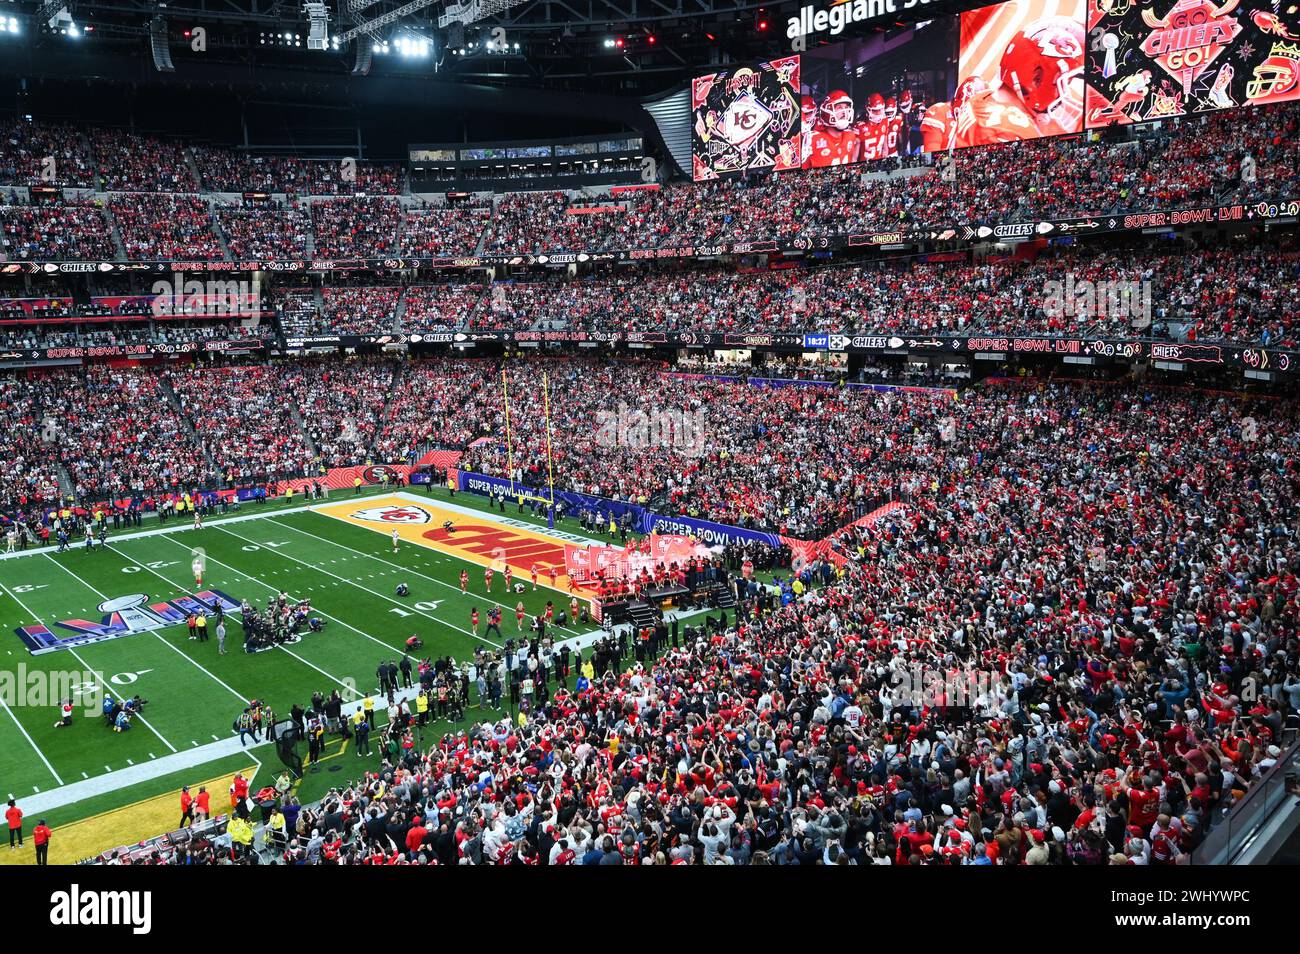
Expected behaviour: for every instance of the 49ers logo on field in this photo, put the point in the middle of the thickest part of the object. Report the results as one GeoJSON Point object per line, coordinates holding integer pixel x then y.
{"type": "Point", "coordinates": [404, 514]}
{"type": "Point", "coordinates": [378, 474]}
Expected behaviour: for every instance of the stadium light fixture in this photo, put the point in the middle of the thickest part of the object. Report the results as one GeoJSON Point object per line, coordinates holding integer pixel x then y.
{"type": "Point", "coordinates": [412, 46]}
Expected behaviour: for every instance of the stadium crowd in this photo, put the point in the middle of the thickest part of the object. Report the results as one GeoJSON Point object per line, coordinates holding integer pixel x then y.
{"type": "Point", "coordinates": [73, 231]}
{"type": "Point", "coordinates": [356, 227]}
{"type": "Point", "coordinates": [1102, 577]}
{"type": "Point", "coordinates": [244, 425]}
{"type": "Point", "coordinates": [434, 231]}
{"type": "Point", "coordinates": [800, 461]}
{"type": "Point", "coordinates": [228, 170]}
{"type": "Point", "coordinates": [1185, 161]}
{"type": "Point", "coordinates": [442, 306]}
{"type": "Point", "coordinates": [166, 228]}
{"type": "Point", "coordinates": [35, 154]}
{"type": "Point", "coordinates": [257, 233]}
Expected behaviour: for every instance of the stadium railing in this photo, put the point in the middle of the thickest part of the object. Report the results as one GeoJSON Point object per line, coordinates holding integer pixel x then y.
{"type": "Point", "coordinates": [1235, 833]}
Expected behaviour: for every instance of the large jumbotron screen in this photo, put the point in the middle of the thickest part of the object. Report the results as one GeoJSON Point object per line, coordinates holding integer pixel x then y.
{"type": "Point", "coordinates": [1023, 69]}
{"type": "Point", "coordinates": [746, 119]}
{"type": "Point", "coordinates": [1156, 60]}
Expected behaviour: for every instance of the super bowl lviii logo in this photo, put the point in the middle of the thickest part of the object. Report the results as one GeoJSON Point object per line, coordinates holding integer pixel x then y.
{"type": "Point", "coordinates": [123, 616]}
{"type": "Point", "coordinates": [406, 513]}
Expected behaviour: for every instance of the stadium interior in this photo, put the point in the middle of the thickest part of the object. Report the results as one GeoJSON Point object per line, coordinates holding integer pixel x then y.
{"type": "Point", "coordinates": [881, 438]}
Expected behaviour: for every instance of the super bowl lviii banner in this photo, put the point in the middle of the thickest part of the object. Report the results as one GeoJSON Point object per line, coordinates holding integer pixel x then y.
{"type": "Point", "coordinates": [746, 119]}
{"type": "Point", "coordinates": [1153, 60]}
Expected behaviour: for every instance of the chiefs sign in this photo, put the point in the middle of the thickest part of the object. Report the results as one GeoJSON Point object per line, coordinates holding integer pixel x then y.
{"type": "Point", "coordinates": [1190, 37]}
{"type": "Point", "coordinates": [403, 514]}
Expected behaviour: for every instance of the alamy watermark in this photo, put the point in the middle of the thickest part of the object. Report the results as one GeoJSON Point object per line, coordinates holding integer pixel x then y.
{"type": "Point", "coordinates": [179, 296]}
{"type": "Point", "coordinates": [51, 689]}
{"type": "Point", "coordinates": [682, 432]}
{"type": "Point", "coordinates": [1110, 299]}
{"type": "Point", "coordinates": [926, 686]}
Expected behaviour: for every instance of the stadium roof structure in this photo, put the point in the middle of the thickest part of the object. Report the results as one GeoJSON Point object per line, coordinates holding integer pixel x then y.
{"type": "Point", "coordinates": [629, 47]}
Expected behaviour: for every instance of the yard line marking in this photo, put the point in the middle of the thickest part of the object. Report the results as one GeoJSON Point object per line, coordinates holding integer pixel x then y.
{"type": "Point", "coordinates": [112, 692]}
{"type": "Point", "coordinates": [29, 739]}
{"type": "Point", "coordinates": [398, 566]}
{"type": "Point", "coordinates": [3, 703]}
{"type": "Point", "coordinates": [167, 529]}
{"type": "Point", "coordinates": [192, 662]}
{"type": "Point", "coordinates": [240, 615]}
{"type": "Point", "coordinates": [389, 599]}
{"type": "Point", "coordinates": [94, 672]}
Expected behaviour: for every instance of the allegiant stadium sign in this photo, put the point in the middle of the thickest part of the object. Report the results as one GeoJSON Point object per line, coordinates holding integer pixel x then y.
{"type": "Point", "coordinates": [835, 18]}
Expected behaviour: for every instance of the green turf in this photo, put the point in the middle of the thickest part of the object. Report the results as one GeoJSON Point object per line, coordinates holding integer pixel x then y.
{"type": "Point", "coordinates": [159, 785]}
{"type": "Point", "coordinates": [349, 574]}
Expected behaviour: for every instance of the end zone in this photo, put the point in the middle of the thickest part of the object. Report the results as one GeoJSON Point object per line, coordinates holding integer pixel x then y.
{"type": "Point", "coordinates": [474, 537]}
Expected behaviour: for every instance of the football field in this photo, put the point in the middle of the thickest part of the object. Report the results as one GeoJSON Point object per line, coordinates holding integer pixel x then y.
{"type": "Point", "coordinates": [127, 597]}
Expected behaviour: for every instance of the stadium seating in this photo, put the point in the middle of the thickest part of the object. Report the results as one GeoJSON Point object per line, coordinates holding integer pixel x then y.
{"type": "Point", "coordinates": [166, 227]}
{"type": "Point", "coordinates": [356, 227]}
{"type": "Point", "coordinates": [243, 422]}
{"type": "Point", "coordinates": [1032, 549]}
{"type": "Point", "coordinates": [439, 232]}
{"type": "Point", "coordinates": [52, 154]}
{"type": "Point", "coordinates": [64, 231]}
{"type": "Point", "coordinates": [258, 233]}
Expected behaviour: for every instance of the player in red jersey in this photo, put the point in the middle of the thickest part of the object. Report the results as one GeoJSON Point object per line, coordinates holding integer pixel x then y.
{"type": "Point", "coordinates": [895, 120]}
{"type": "Point", "coordinates": [835, 139]}
{"type": "Point", "coordinates": [1040, 92]}
{"type": "Point", "coordinates": [875, 132]}
{"type": "Point", "coordinates": [936, 128]}
{"type": "Point", "coordinates": [808, 113]}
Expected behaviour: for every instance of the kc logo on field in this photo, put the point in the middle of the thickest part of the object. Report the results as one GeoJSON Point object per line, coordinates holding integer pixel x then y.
{"type": "Point", "coordinates": [407, 514]}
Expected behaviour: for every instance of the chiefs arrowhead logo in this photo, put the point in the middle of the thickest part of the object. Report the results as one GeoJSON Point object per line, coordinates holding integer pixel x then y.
{"type": "Point", "coordinates": [407, 514]}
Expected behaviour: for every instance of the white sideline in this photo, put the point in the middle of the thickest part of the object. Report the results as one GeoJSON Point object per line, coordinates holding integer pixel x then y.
{"type": "Point", "coordinates": [180, 527]}
{"type": "Point", "coordinates": [72, 792]}
{"type": "Point", "coordinates": [264, 512]}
